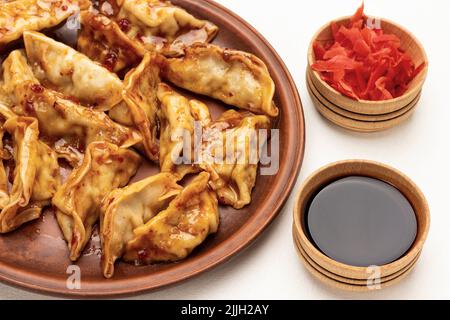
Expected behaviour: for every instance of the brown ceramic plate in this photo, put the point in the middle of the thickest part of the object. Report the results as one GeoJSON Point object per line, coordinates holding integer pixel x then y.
{"type": "Point", "coordinates": [36, 256]}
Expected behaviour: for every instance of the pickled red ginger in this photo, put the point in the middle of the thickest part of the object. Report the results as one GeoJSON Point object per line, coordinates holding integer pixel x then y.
{"type": "Point", "coordinates": [364, 63]}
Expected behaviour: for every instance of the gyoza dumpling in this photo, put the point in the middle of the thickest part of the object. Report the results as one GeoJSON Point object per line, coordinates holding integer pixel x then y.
{"type": "Point", "coordinates": [4, 99]}
{"type": "Point", "coordinates": [126, 209]}
{"type": "Point", "coordinates": [140, 95]}
{"type": "Point", "coordinates": [160, 26]}
{"type": "Point", "coordinates": [72, 73]}
{"type": "Point", "coordinates": [200, 112]}
{"type": "Point", "coordinates": [4, 196]}
{"type": "Point", "coordinates": [177, 130]}
{"type": "Point", "coordinates": [36, 175]}
{"type": "Point", "coordinates": [237, 78]}
{"type": "Point", "coordinates": [16, 71]}
{"type": "Point", "coordinates": [104, 168]}
{"type": "Point", "coordinates": [176, 231]}
{"type": "Point", "coordinates": [47, 179]}
{"type": "Point", "coordinates": [121, 114]}
{"type": "Point", "coordinates": [25, 133]}
{"type": "Point", "coordinates": [68, 126]}
{"type": "Point", "coordinates": [19, 16]}
{"type": "Point", "coordinates": [6, 113]}
{"type": "Point", "coordinates": [102, 40]}
{"type": "Point", "coordinates": [231, 155]}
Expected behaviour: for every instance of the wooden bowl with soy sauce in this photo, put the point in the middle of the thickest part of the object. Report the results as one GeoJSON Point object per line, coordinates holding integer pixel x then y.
{"type": "Point", "coordinates": [359, 222]}
{"type": "Point", "coordinates": [366, 115]}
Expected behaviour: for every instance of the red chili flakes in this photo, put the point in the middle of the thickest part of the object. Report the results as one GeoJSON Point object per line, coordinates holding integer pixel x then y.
{"type": "Point", "coordinates": [363, 62]}
{"type": "Point", "coordinates": [110, 60]}
{"type": "Point", "coordinates": [37, 88]}
{"type": "Point", "coordinates": [142, 255]}
{"type": "Point", "coordinates": [124, 25]}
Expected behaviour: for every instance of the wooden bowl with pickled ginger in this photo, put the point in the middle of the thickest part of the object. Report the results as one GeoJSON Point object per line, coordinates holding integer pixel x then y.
{"type": "Point", "coordinates": [407, 44]}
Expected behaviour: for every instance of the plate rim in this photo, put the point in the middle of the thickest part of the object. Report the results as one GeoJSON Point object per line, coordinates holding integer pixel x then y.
{"type": "Point", "coordinates": [24, 280]}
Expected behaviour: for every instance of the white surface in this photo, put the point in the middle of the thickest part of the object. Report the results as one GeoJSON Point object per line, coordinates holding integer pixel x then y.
{"type": "Point", "coordinates": [270, 269]}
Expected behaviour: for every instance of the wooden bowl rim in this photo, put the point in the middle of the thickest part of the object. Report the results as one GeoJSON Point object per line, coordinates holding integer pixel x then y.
{"type": "Point", "coordinates": [423, 73]}
{"type": "Point", "coordinates": [332, 283]}
{"type": "Point", "coordinates": [397, 118]}
{"type": "Point", "coordinates": [340, 278]}
{"type": "Point", "coordinates": [361, 126]}
{"type": "Point", "coordinates": [359, 116]}
{"type": "Point", "coordinates": [240, 240]}
{"type": "Point", "coordinates": [385, 269]}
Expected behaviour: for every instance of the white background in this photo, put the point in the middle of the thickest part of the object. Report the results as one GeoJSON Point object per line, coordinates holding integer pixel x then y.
{"type": "Point", "coordinates": [270, 269]}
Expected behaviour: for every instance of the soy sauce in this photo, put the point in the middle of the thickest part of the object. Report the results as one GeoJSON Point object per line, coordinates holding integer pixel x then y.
{"type": "Point", "coordinates": [362, 222]}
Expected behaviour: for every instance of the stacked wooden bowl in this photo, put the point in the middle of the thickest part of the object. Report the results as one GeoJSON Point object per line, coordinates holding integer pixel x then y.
{"type": "Point", "coordinates": [352, 278]}
{"type": "Point", "coordinates": [364, 115]}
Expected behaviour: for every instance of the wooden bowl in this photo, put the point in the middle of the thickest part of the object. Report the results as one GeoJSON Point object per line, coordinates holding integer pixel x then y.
{"type": "Point", "coordinates": [342, 285]}
{"type": "Point", "coordinates": [364, 126]}
{"type": "Point", "coordinates": [342, 169]}
{"type": "Point", "coordinates": [354, 115]}
{"type": "Point", "coordinates": [409, 44]}
{"type": "Point", "coordinates": [35, 256]}
{"type": "Point", "coordinates": [349, 281]}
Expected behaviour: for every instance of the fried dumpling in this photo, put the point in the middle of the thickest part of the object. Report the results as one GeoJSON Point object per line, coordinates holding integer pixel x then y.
{"type": "Point", "coordinates": [102, 40]}
{"type": "Point", "coordinates": [36, 175]}
{"type": "Point", "coordinates": [123, 210]}
{"type": "Point", "coordinates": [121, 114]}
{"type": "Point", "coordinates": [34, 15]}
{"type": "Point", "coordinates": [140, 94]}
{"type": "Point", "coordinates": [6, 113]}
{"type": "Point", "coordinates": [4, 98]}
{"type": "Point", "coordinates": [104, 168]}
{"type": "Point", "coordinates": [58, 66]}
{"type": "Point", "coordinates": [200, 112]}
{"type": "Point", "coordinates": [231, 155]}
{"type": "Point", "coordinates": [47, 180]}
{"type": "Point", "coordinates": [177, 130]}
{"type": "Point", "coordinates": [160, 26]}
{"type": "Point", "coordinates": [16, 71]}
{"type": "Point", "coordinates": [176, 231]}
{"type": "Point", "coordinates": [25, 133]}
{"type": "Point", "coordinates": [4, 196]}
{"type": "Point", "coordinates": [237, 78]}
{"type": "Point", "coordinates": [68, 126]}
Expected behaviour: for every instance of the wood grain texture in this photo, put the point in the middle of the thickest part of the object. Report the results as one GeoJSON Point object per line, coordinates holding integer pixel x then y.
{"type": "Point", "coordinates": [349, 281]}
{"type": "Point", "coordinates": [410, 45]}
{"type": "Point", "coordinates": [357, 125]}
{"type": "Point", "coordinates": [371, 169]}
{"type": "Point", "coordinates": [358, 116]}
{"type": "Point", "coordinates": [345, 286]}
